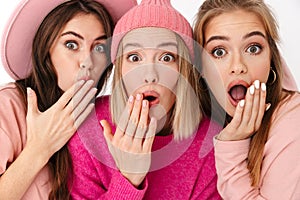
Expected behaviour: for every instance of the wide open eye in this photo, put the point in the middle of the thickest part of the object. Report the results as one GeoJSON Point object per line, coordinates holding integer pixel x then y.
{"type": "Point", "coordinates": [167, 58]}
{"type": "Point", "coordinates": [254, 49]}
{"type": "Point", "coordinates": [100, 48]}
{"type": "Point", "coordinates": [134, 58]}
{"type": "Point", "coordinates": [71, 45]}
{"type": "Point", "coordinates": [218, 52]}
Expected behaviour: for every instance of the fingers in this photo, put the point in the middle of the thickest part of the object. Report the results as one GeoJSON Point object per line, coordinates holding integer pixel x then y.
{"type": "Point", "coordinates": [85, 113]}
{"type": "Point", "coordinates": [31, 102]}
{"type": "Point", "coordinates": [123, 121]}
{"type": "Point", "coordinates": [67, 96]}
{"type": "Point", "coordinates": [135, 116]}
{"type": "Point", "coordinates": [133, 126]}
{"type": "Point", "coordinates": [237, 118]}
{"type": "Point", "coordinates": [262, 105]}
{"type": "Point", "coordinates": [81, 96]}
{"type": "Point", "coordinates": [81, 107]}
{"type": "Point", "coordinates": [150, 135]}
{"type": "Point", "coordinates": [106, 131]}
{"type": "Point", "coordinates": [143, 122]}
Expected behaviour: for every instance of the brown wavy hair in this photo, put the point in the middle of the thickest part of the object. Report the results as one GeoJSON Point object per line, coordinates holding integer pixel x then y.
{"type": "Point", "coordinates": [275, 92]}
{"type": "Point", "coordinates": [43, 78]}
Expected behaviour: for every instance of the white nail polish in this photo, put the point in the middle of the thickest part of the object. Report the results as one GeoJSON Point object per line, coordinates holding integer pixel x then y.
{"type": "Point", "coordinates": [242, 103]}
{"type": "Point", "coordinates": [263, 87]}
{"type": "Point", "coordinates": [256, 84]}
{"type": "Point", "coordinates": [268, 106]}
{"type": "Point", "coordinates": [252, 89]}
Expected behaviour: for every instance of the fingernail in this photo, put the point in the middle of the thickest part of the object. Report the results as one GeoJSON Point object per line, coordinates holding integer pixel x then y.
{"type": "Point", "coordinates": [29, 91]}
{"type": "Point", "coordinates": [90, 82]}
{"type": "Point", "coordinates": [94, 90]}
{"type": "Point", "coordinates": [144, 103]}
{"type": "Point", "coordinates": [268, 106]}
{"type": "Point", "coordinates": [263, 87]}
{"type": "Point", "coordinates": [242, 103]}
{"type": "Point", "coordinates": [138, 97]}
{"type": "Point", "coordinates": [252, 89]}
{"type": "Point", "coordinates": [130, 99]}
{"type": "Point", "coordinates": [256, 84]}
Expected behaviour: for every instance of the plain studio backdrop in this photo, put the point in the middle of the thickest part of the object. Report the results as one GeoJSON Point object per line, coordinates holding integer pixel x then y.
{"type": "Point", "coordinates": [286, 12]}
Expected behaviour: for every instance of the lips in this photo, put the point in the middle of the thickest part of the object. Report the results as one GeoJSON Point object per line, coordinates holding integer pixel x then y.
{"type": "Point", "coordinates": [152, 97]}
{"type": "Point", "coordinates": [237, 91]}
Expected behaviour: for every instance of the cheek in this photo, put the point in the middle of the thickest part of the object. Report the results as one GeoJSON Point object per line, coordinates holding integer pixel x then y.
{"type": "Point", "coordinates": [66, 73]}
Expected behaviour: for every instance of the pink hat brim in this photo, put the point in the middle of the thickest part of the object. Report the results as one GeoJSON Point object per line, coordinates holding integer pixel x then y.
{"type": "Point", "coordinates": [23, 23]}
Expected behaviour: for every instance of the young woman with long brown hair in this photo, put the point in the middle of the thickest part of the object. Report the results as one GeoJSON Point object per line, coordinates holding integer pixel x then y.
{"type": "Point", "coordinates": [58, 53]}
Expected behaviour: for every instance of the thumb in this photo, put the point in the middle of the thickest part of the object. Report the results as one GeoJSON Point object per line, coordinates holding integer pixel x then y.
{"type": "Point", "coordinates": [106, 130]}
{"type": "Point", "coordinates": [31, 101]}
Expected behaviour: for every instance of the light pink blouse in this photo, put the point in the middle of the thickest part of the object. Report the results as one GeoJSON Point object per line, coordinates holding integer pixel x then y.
{"type": "Point", "coordinates": [13, 139]}
{"type": "Point", "coordinates": [280, 173]}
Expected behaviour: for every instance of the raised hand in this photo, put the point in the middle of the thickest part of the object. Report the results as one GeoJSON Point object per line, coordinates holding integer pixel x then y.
{"type": "Point", "coordinates": [248, 114]}
{"type": "Point", "coordinates": [50, 130]}
{"type": "Point", "coordinates": [131, 144]}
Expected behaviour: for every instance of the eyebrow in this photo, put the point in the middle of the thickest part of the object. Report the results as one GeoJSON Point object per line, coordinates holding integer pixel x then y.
{"type": "Point", "coordinates": [102, 37]}
{"type": "Point", "coordinates": [158, 46]}
{"type": "Point", "coordinates": [258, 33]}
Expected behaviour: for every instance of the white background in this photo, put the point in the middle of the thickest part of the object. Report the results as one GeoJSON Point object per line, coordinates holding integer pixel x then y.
{"type": "Point", "coordinates": [287, 14]}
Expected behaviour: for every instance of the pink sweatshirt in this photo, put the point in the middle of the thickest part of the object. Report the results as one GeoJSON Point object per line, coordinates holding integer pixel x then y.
{"type": "Point", "coordinates": [179, 170]}
{"type": "Point", "coordinates": [13, 140]}
{"type": "Point", "coordinates": [280, 175]}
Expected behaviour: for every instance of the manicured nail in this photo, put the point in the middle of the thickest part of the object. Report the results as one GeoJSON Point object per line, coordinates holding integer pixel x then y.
{"type": "Point", "coordinates": [81, 82]}
{"type": "Point", "coordinates": [144, 103]}
{"type": "Point", "coordinates": [268, 106]}
{"type": "Point", "coordinates": [256, 84]}
{"type": "Point", "coordinates": [90, 82]}
{"type": "Point", "coordinates": [130, 99]}
{"type": "Point", "coordinates": [263, 87]}
{"type": "Point", "coordinates": [138, 97]}
{"type": "Point", "coordinates": [252, 89]}
{"type": "Point", "coordinates": [29, 91]}
{"type": "Point", "coordinates": [242, 103]}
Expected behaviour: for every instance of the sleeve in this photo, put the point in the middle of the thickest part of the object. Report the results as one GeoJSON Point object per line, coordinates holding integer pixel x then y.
{"type": "Point", "coordinates": [12, 127]}
{"type": "Point", "coordinates": [280, 173]}
{"type": "Point", "coordinates": [90, 179]}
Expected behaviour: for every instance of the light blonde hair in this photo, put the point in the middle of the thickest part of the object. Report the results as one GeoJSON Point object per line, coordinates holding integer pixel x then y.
{"type": "Point", "coordinates": [213, 8]}
{"type": "Point", "coordinates": [184, 116]}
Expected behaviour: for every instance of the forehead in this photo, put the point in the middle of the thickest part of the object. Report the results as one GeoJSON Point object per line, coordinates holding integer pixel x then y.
{"type": "Point", "coordinates": [85, 23]}
{"type": "Point", "coordinates": [235, 21]}
{"type": "Point", "coordinates": [149, 37]}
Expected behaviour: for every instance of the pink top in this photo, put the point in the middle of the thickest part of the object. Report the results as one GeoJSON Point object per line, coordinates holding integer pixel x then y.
{"type": "Point", "coordinates": [13, 139]}
{"type": "Point", "coordinates": [280, 175]}
{"type": "Point", "coordinates": [189, 172]}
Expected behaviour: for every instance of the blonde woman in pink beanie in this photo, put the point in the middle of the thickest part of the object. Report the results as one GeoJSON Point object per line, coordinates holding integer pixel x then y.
{"type": "Point", "coordinates": [153, 142]}
{"type": "Point", "coordinates": [258, 151]}
{"type": "Point", "coordinates": [57, 51]}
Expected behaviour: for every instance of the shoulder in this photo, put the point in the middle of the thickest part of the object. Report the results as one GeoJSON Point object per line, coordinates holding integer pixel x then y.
{"type": "Point", "coordinates": [285, 121]}
{"type": "Point", "coordinates": [11, 99]}
{"type": "Point", "coordinates": [9, 91]}
{"type": "Point", "coordinates": [12, 119]}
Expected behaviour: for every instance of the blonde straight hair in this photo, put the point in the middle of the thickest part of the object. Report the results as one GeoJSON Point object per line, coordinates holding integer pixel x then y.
{"type": "Point", "coordinates": [185, 117]}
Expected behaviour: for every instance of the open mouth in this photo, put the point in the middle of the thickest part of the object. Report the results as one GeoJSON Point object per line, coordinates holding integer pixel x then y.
{"type": "Point", "coordinates": [152, 97]}
{"type": "Point", "coordinates": [237, 93]}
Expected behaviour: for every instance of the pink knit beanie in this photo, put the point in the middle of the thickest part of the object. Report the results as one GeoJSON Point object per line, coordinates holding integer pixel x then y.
{"type": "Point", "coordinates": [152, 13]}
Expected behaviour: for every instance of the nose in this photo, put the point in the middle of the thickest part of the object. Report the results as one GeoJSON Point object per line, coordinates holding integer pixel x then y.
{"type": "Point", "coordinates": [238, 66]}
{"type": "Point", "coordinates": [151, 75]}
{"type": "Point", "coordinates": [86, 62]}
